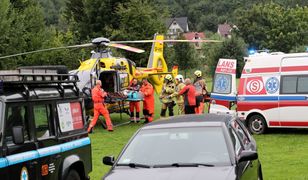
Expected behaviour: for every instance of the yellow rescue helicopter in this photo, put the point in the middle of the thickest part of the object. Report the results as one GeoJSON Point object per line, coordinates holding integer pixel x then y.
{"type": "Point", "coordinates": [115, 72]}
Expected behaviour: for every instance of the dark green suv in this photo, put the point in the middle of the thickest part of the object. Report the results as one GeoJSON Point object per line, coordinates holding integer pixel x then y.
{"type": "Point", "coordinates": [42, 126]}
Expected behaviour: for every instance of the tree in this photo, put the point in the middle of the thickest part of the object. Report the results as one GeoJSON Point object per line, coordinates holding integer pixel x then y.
{"type": "Point", "coordinates": [137, 23]}
{"type": "Point", "coordinates": [185, 56]}
{"type": "Point", "coordinates": [233, 48]}
{"type": "Point", "coordinates": [52, 11]}
{"type": "Point", "coordinates": [5, 21]}
{"type": "Point", "coordinates": [93, 18]}
{"type": "Point", "coordinates": [273, 27]}
{"type": "Point", "coordinates": [24, 30]}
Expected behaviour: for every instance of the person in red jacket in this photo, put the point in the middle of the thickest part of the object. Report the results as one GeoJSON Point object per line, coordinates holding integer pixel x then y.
{"type": "Point", "coordinates": [189, 93]}
{"type": "Point", "coordinates": [148, 100]}
{"type": "Point", "coordinates": [98, 95]}
{"type": "Point", "coordinates": [134, 86]}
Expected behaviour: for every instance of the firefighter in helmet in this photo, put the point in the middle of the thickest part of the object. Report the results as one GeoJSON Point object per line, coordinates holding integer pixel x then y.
{"type": "Point", "coordinates": [201, 91]}
{"type": "Point", "coordinates": [179, 99]}
{"type": "Point", "coordinates": [165, 96]}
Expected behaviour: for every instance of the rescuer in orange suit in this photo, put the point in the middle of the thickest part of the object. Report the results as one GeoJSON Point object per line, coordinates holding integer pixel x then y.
{"type": "Point", "coordinates": [98, 95]}
{"type": "Point", "coordinates": [148, 100]}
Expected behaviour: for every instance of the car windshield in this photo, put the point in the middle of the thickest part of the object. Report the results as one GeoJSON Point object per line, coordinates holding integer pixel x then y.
{"type": "Point", "coordinates": [193, 145]}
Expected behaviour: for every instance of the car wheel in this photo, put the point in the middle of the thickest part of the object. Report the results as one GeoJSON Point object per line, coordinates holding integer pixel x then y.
{"type": "Point", "coordinates": [73, 175]}
{"type": "Point", "coordinates": [257, 124]}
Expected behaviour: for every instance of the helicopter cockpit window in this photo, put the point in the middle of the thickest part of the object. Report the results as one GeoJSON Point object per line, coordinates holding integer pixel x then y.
{"type": "Point", "coordinates": [124, 80]}
{"type": "Point", "coordinates": [102, 65]}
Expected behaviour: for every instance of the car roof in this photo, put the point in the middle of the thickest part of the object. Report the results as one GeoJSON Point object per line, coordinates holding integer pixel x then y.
{"type": "Point", "coordinates": [191, 120]}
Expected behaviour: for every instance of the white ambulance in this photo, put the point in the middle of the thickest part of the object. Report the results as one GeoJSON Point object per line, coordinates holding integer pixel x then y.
{"type": "Point", "coordinates": [272, 91]}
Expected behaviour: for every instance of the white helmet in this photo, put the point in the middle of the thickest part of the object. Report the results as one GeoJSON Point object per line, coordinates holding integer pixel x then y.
{"type": "Point", "coordinates": [179, 77]}
{"type": "Point", "coordinates": [168, 77]}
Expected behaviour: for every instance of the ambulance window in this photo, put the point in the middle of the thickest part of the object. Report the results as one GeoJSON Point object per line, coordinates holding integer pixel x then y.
{"type": "Point", "coordinates": [302, 85]}
{"type": "Point", "coordinates": [222, 83]}
{"type": "Point", "coordinates": [16, 116]}
{"type": "Point", "coordinates": [42, 117]}
{"type": "Point", "coordinates": [289, 85]}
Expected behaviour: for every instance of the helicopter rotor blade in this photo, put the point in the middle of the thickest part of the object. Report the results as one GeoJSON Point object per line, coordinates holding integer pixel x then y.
{"type": "Point", "coordinates": [125, 47]}
{"type": "Point", "coordinates": [48, 49]}
{"type": "Point", "coordinates": [162, 41]}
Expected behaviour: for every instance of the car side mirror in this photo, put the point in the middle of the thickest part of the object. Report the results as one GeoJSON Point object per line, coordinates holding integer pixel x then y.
{"type": "Point", "coordinates": [248, 156]}
{"type": "Point", "coordinates": [108, 160]}
{"type": "Point", "coordinates": [18, 135]}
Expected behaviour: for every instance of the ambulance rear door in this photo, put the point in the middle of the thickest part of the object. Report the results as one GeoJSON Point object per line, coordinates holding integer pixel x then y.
{"type": "Point", "coordinates": [224, 92]}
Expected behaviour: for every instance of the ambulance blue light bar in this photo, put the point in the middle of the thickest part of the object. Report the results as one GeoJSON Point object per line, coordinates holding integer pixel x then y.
{"type": "Point", "coordinates": [252, 51]}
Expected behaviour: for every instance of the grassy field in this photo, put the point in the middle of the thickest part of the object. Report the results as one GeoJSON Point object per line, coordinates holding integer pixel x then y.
{"type": "Point", "coordinates": [283, 152]}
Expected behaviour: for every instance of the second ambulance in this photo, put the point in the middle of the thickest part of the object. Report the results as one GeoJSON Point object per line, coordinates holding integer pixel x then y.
{"type": "Point", "coordinates": [272, 92]}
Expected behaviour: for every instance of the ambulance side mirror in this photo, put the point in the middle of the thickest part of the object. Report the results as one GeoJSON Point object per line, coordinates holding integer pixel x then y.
{"type": "Point", "coordinates": [18, 135]}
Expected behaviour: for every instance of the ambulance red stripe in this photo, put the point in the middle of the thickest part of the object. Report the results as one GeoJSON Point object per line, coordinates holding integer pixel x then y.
{"type": "Point", "coordinates": [261, 105]}
{"type": "Point", "coordinates": [225, 70]}
{"type": "Point", "coordinates": [275, 69]}
{"type": "Point", "coordinates": [294, 68]}
{"type": "Point", "coordinates": [288, 123]}
{"type": "Point", "coordinates": [261, 70]}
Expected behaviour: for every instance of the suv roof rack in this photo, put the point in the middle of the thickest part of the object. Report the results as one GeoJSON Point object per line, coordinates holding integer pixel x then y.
{"type": "Point", "coordinates": [36, 76]}
{"type": "Point", "coordinates": [25, 77]}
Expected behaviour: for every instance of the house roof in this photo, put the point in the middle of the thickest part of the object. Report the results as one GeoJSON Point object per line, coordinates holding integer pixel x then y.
{"type": "Point", "coordinates": [182, 21]}
{"type": "Point", "coordinates": [194, 35]}
{"type": "Point", "coordinates": [224, 29]}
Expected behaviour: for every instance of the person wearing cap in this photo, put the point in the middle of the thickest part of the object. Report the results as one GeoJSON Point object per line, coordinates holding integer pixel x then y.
{"type": "Point", "coordinates": [179, 99]}
{"type": "Point", "coordinates": [134, 105]}
{"type": "Point", "coordinates": [189, 92]}
{"type": "Point", "coordinates": [201, 91]}
{"type": "Point", "coordinates": [148, 101]}
{"type": "Point", "coordinates": [165, 96]}
{"type": "Point", "coordinates": [98, 95]}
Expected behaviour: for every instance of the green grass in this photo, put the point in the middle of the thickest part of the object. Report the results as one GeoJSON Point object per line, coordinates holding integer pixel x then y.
{"type": "Point", "coordinates": [283, 152]}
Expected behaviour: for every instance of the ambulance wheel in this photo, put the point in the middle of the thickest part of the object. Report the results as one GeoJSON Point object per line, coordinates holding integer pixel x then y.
{"type": "Point", "coordinates": [257, 124]}
{"type": "Point", "coordinates": [73, 175]}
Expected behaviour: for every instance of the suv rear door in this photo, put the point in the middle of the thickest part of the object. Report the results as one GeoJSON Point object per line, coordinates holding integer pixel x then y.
{"type": "Point", "coordinates": [224, 87]}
